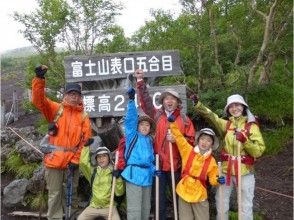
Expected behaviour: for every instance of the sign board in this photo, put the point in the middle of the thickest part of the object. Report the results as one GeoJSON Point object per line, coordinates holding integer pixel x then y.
{"type": "Point", "coordinates": [119, 65]}
{"type": "Point", "coordinates": [104, 103]}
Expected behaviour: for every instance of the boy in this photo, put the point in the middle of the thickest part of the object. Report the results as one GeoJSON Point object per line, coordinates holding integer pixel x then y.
{"type": "Point", "coordinates": [139, 155]}
{"type": "Point", "coordinates": [100, 179]}
{"type": "Point", "coordinates": [198, 164]}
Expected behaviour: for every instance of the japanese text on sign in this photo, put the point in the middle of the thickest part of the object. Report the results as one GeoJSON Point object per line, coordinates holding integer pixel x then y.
{"type": "Point", "coordinates": [153, 63]}
{"type": "Point", "coordinates": [113, 103]}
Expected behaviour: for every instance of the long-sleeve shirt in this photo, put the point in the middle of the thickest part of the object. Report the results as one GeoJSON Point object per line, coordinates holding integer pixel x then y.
{"type": "Point", "coordinates": [102, 183]}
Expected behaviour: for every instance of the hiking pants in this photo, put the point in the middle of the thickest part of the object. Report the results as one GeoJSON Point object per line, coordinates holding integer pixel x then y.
{"type": "Point", "coordinates": [138, 201]}
{"type": "Point", "coordinates": [195, 210]}
{"type": "Point", "coordinates": [165, 182]}
{"type": "Point", "coordinates": [247, 194]}
{"type": "Point", "coordinates": [92, 213]}
{"type": "Point", "coordinates": [55, 181]}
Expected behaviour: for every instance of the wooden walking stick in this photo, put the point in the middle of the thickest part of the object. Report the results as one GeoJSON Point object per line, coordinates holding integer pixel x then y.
{"type": "Point", "coordinates": [239, 180]}
{"type": "Point", "coordinates": [221, 198]}
{"type": "Point", "coordinates": [113, 188]}
{"type": "Point", "coordinates": [173, 177]}
{"type": "Point", "coordinates": [157, 189]}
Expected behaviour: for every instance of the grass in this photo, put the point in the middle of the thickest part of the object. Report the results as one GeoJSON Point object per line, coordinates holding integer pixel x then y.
{"type": "Point", "coordinates": [15, 164]}
{"type": "Point", "coordinates": [234, 216]}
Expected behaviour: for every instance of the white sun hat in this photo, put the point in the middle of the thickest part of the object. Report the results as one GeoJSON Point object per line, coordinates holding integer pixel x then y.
{"type": "Point", "coordinates": [236, 98]}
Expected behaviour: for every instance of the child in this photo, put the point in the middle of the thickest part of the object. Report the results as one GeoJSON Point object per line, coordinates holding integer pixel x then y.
{"type": "Point", "coordinates": [197, 164]}
{"type": "Point", "coordinates": [240, 127]}
{"type": "Point", "coordinates": [139, 157]}
{"type": "Point", "coordinates": [100, 179]}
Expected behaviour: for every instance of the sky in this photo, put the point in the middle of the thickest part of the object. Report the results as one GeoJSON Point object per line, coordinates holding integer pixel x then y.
{"type": "Point", "coordinates": [134, 15]}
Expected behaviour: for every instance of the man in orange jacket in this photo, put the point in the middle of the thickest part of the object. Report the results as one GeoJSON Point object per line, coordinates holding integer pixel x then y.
{"type": "Point", "coordinates": [69, 129]}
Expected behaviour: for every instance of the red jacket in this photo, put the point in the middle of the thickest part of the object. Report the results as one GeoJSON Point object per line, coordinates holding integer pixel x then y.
{"type": "Point", "coordinates": [161, 145]}
{"type": "Point", "coordinates": [73, 130]}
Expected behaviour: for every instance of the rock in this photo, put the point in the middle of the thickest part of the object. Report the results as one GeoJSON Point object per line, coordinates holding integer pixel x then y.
{"type": "Point", "coordinates": [13, 194]}
{"type": "Point", "coordinates": [28, 154]}
{"type": "Point", "coordinates": [37, 182]}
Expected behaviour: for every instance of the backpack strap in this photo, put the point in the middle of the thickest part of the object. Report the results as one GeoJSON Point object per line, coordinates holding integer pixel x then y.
{"type": "Point", "coordinates": [132, 145]}
{"type": "Point", "coordinates": [203, 173]}
{"type": "Point", "coordinates": [58, 113]}
{"type": "Point", "coordinates": [202, 176]}
{"type": "Point", "coordinates": [189, 163]}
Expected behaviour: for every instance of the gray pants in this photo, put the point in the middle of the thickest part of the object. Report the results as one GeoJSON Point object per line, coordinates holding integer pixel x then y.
{"type": "Point", "coordinates": [191, 211]}
{"type": "Point", "coordinates": [138, 202]}
{"type": "Point", "coordinates": [55, 181]}
{"type": "Point", "coordinates": [247, 194]}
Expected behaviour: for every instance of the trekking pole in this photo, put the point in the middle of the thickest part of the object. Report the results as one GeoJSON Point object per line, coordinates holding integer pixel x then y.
{"type": "Point", "coordinates": [239, 180]}
{"type": "Point", "coordinates": [157, 189]}
{"type": "Point", "coordinates": [113, 188]}
{"type": "Point", "coordinates": [221, 198]}
{"type": "Point", "coordinates": [173, 177]}
{"type": "Point", "coordinates": [69, 193]}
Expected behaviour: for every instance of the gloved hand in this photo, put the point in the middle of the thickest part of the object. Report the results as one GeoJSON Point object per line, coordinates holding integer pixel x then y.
{"type": "Point", "coordinates": [131, 93]}
{"type": "Point", "coordinates": [221, 180]}
{"type": "Point", "coordinates": [116, 173]}
{"type": "Point", "coordinates": [241, 137]}
{"type": "Point", "coordinates": [194, 98]}
{"type": "Point", "coordinates": [171, 118]}
{"type": "Point", "coordinates": [174, 115]}
{"type": "Point", "coordinates": [157, 173]}
{"type": "Point", "coordinates": [89, 142]}
{"type": "Point", "coordinates": [40, 71]}
{"type": "Point", "coordinates": [73, 166]}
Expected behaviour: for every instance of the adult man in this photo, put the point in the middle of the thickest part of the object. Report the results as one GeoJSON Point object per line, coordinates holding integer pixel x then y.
{"type": "Point", "coordinates": [69, 129]}
{"type": "Point", "coordinates": [171, 105]}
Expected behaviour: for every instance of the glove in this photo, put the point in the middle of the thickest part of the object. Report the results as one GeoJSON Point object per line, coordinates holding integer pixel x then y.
{"type": "Point", "coordinates": [89, 142]}
{"type": "Point", "coordinates": [73, 166]}
{"type": "Point", "coordinates": [116, 173]}
{"type": "Point", "coordinates": [221, 180]}
{"type": "Point", "coordinates": [40, 71]}
{"type": "Point", "coordinates": [131, 93]}
{"type": "Point", "coordinates": [241, 137]}
{"type": "Point", "coordinates": [194, 98]}
{"type": "Point", "coordinates": [171, 118]}
{"type": "Point", "coordinates": [174, 115]}
{"type": "Point", "coordinates": [157, 173]}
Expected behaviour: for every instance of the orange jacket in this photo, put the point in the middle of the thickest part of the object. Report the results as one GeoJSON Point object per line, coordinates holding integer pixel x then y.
{"type": "Point", "coordinates": [73, 130]}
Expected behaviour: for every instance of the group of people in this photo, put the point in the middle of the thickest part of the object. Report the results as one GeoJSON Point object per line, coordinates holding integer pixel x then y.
{"type": "Point", "coordinates": [149, 132]}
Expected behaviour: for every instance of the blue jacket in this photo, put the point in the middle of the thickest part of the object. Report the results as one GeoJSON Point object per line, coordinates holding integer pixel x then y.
{"type": "Point", "coordinates": [140, 165]}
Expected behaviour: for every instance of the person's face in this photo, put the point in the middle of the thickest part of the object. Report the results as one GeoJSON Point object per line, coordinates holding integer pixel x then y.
{"type": "Point", "coordinates": [205, 142]}
{"type": "Point", "coordinates": [102, 160]}
{"type": "Point", "coordinates": [236, 109]}
{"type": "Point", "coordinates": [73, 98]}
{"type": "Point", "coordinates": [144, 127]}
{"type": "Point", "coordinates": [170, 103]}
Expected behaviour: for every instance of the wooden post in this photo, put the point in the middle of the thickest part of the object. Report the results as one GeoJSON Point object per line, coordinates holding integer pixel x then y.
{"type": "Point", "coordinates": [239, 181]}
{"type": "Point", "coordinates": [157, 189]}
{"type": "Point", "coordinates": [173, 178]}
{"type": "Point", "coordinates": [113, 188]}
{"type": "Point", "coordinates": [15, 109]}
{"type": "Point", "coordinates": [2, 113]}
{"type": "Point", "coordinates": [221, 197]}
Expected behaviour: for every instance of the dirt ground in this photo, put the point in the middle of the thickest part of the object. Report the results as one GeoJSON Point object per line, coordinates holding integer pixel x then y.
{"type": "Point", "coordinates": [274, 181]}
{"type": "Point", "coordinates": [274, 184]}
